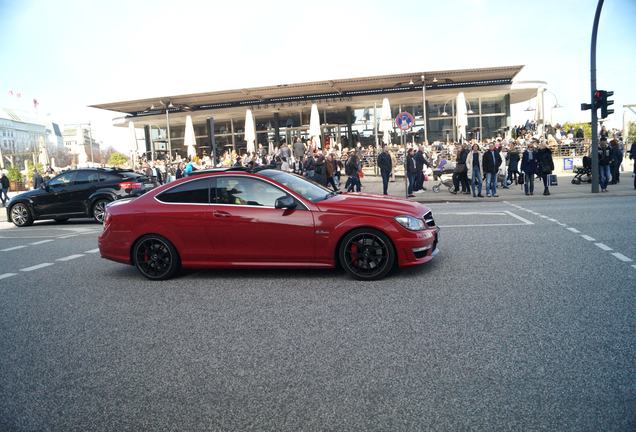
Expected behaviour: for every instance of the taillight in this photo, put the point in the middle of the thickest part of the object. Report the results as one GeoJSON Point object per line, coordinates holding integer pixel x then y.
{"type": "Point", "coordinates": [107, 218]}
{"type": "Point", "coordinates": [130, 185]}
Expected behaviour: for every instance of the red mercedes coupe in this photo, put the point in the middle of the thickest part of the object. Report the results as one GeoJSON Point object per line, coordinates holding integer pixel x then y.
{"type": "Point", "coordinates": [235, 218]}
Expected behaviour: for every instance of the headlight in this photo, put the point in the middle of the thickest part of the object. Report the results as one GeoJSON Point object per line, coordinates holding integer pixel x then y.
{"type": "Point", "coordinates": [411, 223]}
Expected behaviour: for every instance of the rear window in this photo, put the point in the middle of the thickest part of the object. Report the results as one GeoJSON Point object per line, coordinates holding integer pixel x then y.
{"type": "Point", "coordinates": [192, 192]}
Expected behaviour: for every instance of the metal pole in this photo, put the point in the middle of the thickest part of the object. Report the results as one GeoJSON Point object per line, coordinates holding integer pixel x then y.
{"type": "Point", "coordinates": [90, 137]}
{"type": "Point", "coordinates": [375, 133]}
{"type": "Point", "coordinates": [168, 133]}
{"type": "Point", "coordinates": [424, 109]}
{"type": "Point", "coordinates": [594, 155]}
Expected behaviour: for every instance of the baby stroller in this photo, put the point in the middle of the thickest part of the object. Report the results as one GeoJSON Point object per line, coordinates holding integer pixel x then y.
{"type": "Point", "coordinates": [443, 175]}
{"type": "Point", "coordinates": [583, 174]}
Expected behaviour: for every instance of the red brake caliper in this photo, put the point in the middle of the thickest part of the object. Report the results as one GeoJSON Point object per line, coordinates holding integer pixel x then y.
{"type": "Point", "coordinates": [354, 253]}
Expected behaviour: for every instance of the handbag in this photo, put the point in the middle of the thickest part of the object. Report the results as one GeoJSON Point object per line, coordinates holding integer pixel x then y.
{"type": "Point", "coordinates": [360, 174]}
{"type": "Point", "coordinates": [520, 178]}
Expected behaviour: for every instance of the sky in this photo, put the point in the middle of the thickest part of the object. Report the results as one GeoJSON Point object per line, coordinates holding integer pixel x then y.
{"type": "Point", "coordinates": [69, 54]}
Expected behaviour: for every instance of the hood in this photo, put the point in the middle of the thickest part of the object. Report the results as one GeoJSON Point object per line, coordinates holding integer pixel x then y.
{"type": "Point", "coordinates": [28, 194]}
{"type": "Point", "coordinates": [370, 204]}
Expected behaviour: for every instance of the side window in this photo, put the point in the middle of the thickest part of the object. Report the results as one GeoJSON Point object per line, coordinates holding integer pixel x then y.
{"type": "Point", "coordinates": [246, 191]}
{"type": "Point", "coordinates": [86, 177]}
{"type": "Point", "coordinates": [109, 178]}
{"type": "Point", "coordinates": [62, 180]}
{"type": "Point", "coordinates": [193, 192]}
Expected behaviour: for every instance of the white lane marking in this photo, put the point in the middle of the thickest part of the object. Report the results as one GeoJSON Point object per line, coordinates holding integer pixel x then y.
{"type": "Point", "coordinates": [473, 213]}
{"type": "Point", "coordinates": [92, 251]}
{"type": "Point", "coordinates": [634, 265]}
{"type": "Point", "coordinates": [525, 221]}
{"type": "Point", "coordinates": [7, 275]}
{"type": "Point", "coordinates": [588, 238]}
{"type": "Point", "coordinates": [543, 216]}
{"type": "Point", "coordinates": [483, 225]}
{"type": "Point", "coordinates": [603, 246]}
{"type": "Point", "coordinates": [36, 267]}
{"type": "Point", "coordinates": [41, 242]}
{"type": "Point", "coordinates": [562, 224]}
{"type": "Point", "coordinates": [574, 230]}
{"type": "Point", "coordinates": [68, 236]}
{"type": "Point", "coordinates": [70, 257]}
{"type": "Point", "coordinates": [622, 257]}
{"type": "Point", "coordinates": [12, 248]}
{"type": "Point", "coordinates": [552, 220]}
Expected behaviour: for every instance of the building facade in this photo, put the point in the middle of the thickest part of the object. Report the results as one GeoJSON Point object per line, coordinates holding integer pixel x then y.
{"type": "Point", "coordinates": [349, 109]}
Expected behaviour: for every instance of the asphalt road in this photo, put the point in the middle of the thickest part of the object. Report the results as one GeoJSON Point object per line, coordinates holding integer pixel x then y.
{"type": "Point", "coordinates": [525, 321]}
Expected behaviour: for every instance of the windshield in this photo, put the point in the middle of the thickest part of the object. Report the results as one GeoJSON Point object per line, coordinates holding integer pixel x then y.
{"type": "Point", "coordinates": [302, 186]}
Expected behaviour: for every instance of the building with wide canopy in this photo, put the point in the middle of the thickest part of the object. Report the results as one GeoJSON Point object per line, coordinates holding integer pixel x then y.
{"type": "Point", "coordinates": [349, 110]}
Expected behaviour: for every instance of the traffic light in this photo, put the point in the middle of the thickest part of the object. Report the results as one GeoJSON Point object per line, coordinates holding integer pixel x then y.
{"type": "Point", "coordinates": [597, 101]}
{"type": "Point", "coordinates": [605, 103]}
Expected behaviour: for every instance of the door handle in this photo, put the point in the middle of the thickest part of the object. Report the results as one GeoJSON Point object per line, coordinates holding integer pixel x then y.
{"type": "Point", "coordinates": [221, 214]}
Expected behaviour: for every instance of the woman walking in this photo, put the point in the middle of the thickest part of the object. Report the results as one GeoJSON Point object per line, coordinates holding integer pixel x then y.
{"type": "Point", "coordinates": [546, 166]}
{"type": "Point", "coordinates": [473, 164]}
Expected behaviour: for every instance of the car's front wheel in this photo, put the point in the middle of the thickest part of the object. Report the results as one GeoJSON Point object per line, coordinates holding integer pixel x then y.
{"type": "Point", "coordinates": [21, 215]}
{"type": "Point", "coordinates": [155, 257]}
{"type": "Point", "coordinates": [366, 254]}
{"type": "Point", "coordinates": [99, 209]}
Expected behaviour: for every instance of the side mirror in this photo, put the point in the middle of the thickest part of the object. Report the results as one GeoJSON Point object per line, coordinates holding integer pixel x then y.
{"type": "Point", "coordinates": [285, 202]}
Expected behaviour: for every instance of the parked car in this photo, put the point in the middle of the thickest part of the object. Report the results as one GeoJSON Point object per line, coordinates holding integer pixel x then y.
{"type": "Point", "coordinates": [234, 218]}
{"type": "Point", "coordinates": [76, 193]}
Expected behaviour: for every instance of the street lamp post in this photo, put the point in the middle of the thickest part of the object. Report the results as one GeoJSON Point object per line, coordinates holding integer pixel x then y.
{"type": "Point", "coordinates": [90, 138]}
{"type": "Point", "coordinates": [424, 108]}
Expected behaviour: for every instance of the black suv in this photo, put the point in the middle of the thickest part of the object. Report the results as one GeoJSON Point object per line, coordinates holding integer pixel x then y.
{"type": "Point", "coordinates": [76, 193]}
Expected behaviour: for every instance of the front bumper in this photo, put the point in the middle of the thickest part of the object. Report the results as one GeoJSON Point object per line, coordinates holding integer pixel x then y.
{"type": "Point", "coordinates": [419, 248]}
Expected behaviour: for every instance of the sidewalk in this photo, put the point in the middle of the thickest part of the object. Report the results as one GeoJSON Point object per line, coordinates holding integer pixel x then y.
{"type": "Point", "coordinates": [565, 189]}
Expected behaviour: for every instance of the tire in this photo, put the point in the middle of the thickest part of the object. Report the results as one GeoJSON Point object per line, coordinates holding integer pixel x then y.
{"type": "Point", "coordinates": [61, 220]}
{"type": "Point", "coordinates": [376, 259]}
{"type": "Point", "coordinates": [99, 209]}
{"type": "Point", "coordinates": [21, 215]}
{"type": "Point", "coordinates": [436, 189]}
{"type": "Point", "coordinates": [155, 257]}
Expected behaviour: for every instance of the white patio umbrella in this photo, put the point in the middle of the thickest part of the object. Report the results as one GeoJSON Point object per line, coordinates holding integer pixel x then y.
{"type": "Point", "coordinates": [43, 157]}
{"type": "Point", "coordinates": [189, 139]}
{"type": "Point", "coordinates": [314, 125]}
{"type": "Point", "coordinates": [132, 138]}
{"type": "Point", "coordinates": [461, 116]}
{"type": "Point", "coordinates": [386, 121]}
{"type": "Point", "coordinates": [250, 131]}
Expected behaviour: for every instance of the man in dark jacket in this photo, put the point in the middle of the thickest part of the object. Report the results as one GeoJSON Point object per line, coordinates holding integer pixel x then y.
{"type": "Point", "coordinates": [386, 166]}
{"type": "Point", "coordinates": [4, 188]}
{"type": "Point", "coordinates": [604, 161]}
{"type": "Point", "coordinates": [492, 162]}
{"type": "Point", "coordinates": [420, 161]}
{"type": "Point", "coordinates": [545, 165]}
{"type": "Point", "coordinates": [37, 179]}
{"type": "Point", "coordinates": [513, 163]}
{"type": "Point", "coordinates": [617, 160]}
{"type": "Point", "coordinates": [411, 172]}
{"type": "Point", "coordinates": [529, 168]}
{"type": "Point", "coordinates": [632, 156]}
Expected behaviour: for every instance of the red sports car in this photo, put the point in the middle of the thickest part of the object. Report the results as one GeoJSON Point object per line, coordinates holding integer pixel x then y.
{"type": "Point", "coordinates": [235, 218]}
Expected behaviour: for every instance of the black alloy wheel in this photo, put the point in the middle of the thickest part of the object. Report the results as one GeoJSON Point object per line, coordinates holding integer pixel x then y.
{"type": "Point", "coordinates": [21, 215]}
{"type": "Point", "coordinates": [366, 254]}
{"type": "Point", "coordinates": [99, 210]}
{"type": "Point", "coordinates": [155, 257]}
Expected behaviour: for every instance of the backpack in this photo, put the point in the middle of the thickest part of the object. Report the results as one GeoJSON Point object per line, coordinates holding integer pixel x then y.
{"type": "Point", "coordinates": [350, 167]}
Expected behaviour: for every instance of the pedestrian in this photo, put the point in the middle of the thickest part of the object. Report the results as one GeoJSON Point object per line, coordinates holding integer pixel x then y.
{"type": "Point", "coordinates": [179, 171]}
{"type": "Point", "coordinates": [545, 165]}
{"type": "Point", "coordinates": [513, 163]}
{"type": "Point", "coordinates": [460, 174]}
{"type": "Point", "coordinates": [4, 188]}
{"type": "Point", "coordinates": [632, 156]}
{"type": "Point", "coordinates": [37, 179]}
{"type": "Point", "coordinates": [420, 161]}
{"type": "Point", "coordinates": [309, 166]}
{"type": "Point", "coordinates": [475, 160]}
{"type": "Point", "coordinates": [604, 163]}
{"type": "Point", "coordinates": [617, 160]}
{"type": "Point", "coordinates": [298, 149]}
{"type": "Point", "coordinates": [411, 172]}
{"type": "Point", "coordinates": [491, 163]}
{"type": "Point", "coordinates": [352, 168]}
{"type": "Point", "coordinates": [321, 168]}
{"type": "Point", "coordinates": [386, 167]}
{"type": "Point", "coordinates": [529, 168]}
{"type": "Point", "coordinates": [330, 167]}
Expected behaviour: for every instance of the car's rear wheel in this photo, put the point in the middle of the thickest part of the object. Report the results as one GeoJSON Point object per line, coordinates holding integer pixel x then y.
{"type": "Point", "coordinates": [366, 254]}
{"type": "Point", "coordinates": [155, 257]}
{"type": "Point", "coordinates": [21, 215]}
{"type": "Point", "coordinates": [99, 209]}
